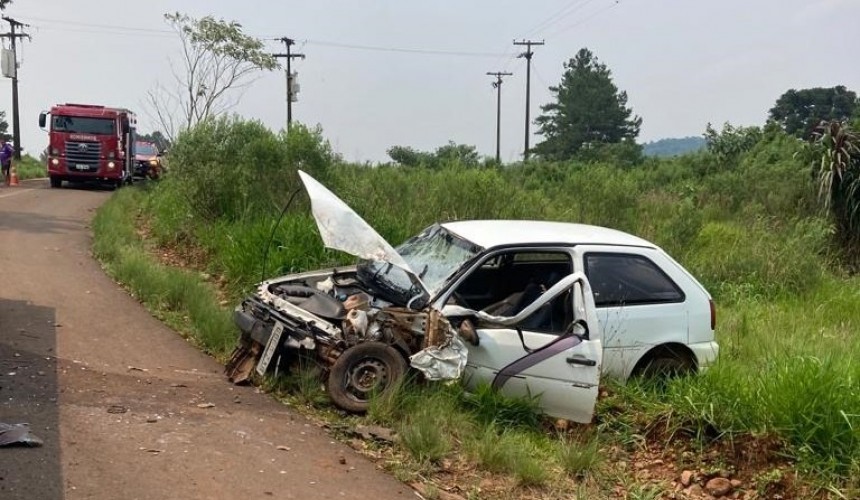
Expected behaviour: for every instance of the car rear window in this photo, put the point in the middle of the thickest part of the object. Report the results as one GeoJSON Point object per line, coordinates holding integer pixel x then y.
{"type": "Point", "coordinates": [628, 279]}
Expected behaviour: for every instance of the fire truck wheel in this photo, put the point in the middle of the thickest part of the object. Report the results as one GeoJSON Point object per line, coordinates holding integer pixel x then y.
{"type": "Point", "coordinates": [56, 182]}
{"type": "Point", "coordinates": [363, 371]}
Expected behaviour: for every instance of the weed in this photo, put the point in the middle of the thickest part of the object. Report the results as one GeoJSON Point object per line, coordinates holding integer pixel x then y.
{"type": "Point", "coordinates": [424, 435]}
{"type": "Point", "coordinates": [302, 381]}
{"type": "Point", "coordinates": [579, 458]}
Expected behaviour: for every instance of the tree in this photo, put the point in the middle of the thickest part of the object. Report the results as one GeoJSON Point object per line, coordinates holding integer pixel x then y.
{"type": "Point", "coordinates": [838, 171]}
{"type": "Point", "coordinates": [799, 112]}
{"type": "Point", "coordinates": [217, 59]}
{"type": "Point", "coordinates": [450, 154]}
{"type": "Point", "coordinates": [408, 156]}
{"type": "Point", "coordinates": [4, 126]}
{"type": "Point", "coordinates": [731, 142]}
{"type": "Point", "coordinates": [4, 4]}
{"type": "Point", "coordinates": [588, 109]}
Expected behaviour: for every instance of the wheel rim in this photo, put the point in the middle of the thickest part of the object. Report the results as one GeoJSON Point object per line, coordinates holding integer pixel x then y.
{"type": "Point", "coordinates": [365, 377]}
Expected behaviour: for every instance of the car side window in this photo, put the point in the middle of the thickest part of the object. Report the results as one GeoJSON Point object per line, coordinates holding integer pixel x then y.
{"type": "Point", "coordinates": [628, 279]}
{"type": "Point", "coordinates": [506, 283]}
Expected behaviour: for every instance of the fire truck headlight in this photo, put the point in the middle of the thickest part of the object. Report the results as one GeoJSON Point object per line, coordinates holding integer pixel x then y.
{"type": "Point", "coordinates": [55, 162]}
{"type": "Point", "coordinates": [111, 154]}
{"type": "Point", "coordinates": [55, 152]}
{"type": "Point", "coordinates": [111, 165]}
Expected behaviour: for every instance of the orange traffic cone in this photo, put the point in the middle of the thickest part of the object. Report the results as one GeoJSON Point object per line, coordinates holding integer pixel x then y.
{"type": "Point", "coordinates": [13, 178]}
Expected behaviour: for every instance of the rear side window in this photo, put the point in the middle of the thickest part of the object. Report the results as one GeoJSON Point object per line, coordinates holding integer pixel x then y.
{"type": "Point", "coordinates": [628, 279]}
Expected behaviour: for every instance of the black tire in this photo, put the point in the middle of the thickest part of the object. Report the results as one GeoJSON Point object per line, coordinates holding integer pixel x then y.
{"type": "Point", "coordinates": [56, 182]}
{"type": "Point", "coordinates": [362, 371]}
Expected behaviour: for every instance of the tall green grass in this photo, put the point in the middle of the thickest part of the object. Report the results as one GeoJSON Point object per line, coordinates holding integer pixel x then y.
{"type": "Point", "coordinates": [173, 294]}
{"type": "Point", "coordinates": [747, 227]}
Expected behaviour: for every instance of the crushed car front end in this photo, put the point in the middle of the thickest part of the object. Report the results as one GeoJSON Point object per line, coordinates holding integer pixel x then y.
{"type": "Point", "coordinates": [349, 326]}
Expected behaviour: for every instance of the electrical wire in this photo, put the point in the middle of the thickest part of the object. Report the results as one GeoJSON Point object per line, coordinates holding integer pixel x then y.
{"type": "Point", "coordinates": [94, 25]}
{"type": "Point", "coordinates": [136, 31]}
{"type": "Point", "coordinates": [558, 16]}
{"type": "Point", "coordinates": [378, 48]}
{"type": "Point", "coordinates": [39, 28]}
{"type": "Point", "coordinates": [272, 236]}
{"type": "Point", "coordinates": [596, 13]}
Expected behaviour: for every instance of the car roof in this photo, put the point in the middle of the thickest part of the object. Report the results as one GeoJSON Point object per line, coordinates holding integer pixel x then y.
{"type": "Point", "coordinates": [495, 233]}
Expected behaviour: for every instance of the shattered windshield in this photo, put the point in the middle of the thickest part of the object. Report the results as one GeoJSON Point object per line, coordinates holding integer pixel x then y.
{"type": "Point", "coordinates": [434, 255]}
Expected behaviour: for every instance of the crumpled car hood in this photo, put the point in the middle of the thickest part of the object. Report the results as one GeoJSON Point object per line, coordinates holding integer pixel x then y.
{"type": "Point", "coordinates": [343, 229]}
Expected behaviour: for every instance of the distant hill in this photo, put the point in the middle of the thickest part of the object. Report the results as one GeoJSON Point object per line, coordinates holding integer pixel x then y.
{"type": "Point", "coordinates": [673, 147]}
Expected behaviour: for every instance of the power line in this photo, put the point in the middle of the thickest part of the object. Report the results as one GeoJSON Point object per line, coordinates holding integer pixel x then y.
{"type": "Point", "coordinates": [405, 49]}
{"type": "Point", "coordinates": [118, 29]}
{"type": "Point", "coordinates": [585, 20]}
{"type": "Point", "coordinates": [565, 11]}
{"type": "Point", "coordinates": [40, 28]}
{"type": "Point", "coordinates": [94, 25]}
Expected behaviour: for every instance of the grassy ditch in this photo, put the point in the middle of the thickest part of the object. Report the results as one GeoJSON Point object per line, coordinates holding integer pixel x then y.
{"type": "Point", "coordinates": [780, 412]}
{"type": "Point", "coordinates": [181, 298]}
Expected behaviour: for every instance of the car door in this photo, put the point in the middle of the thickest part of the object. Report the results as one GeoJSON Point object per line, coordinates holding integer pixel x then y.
{"type": "Point", "coordinates": [561, 368]}
{"type": "Point", "coordinates": [639, 303]}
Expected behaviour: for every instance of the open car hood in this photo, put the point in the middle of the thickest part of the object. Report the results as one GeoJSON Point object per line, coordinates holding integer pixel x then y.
{"type": "Point", "coordinates": [343, 229]}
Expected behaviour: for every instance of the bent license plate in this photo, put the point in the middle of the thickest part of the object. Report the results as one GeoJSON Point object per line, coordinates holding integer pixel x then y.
{"type": "Point", "coordinates": [271, 346]}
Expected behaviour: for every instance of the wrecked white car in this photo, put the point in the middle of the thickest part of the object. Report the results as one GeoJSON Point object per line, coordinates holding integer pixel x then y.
{"type": "Point", "coordinates": [508, 303]}
{"type": "Point", "coordinates": [368, 323]}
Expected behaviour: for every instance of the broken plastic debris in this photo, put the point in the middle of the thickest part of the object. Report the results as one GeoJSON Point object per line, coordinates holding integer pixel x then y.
{"type": "Point", "coordinates": [206, 405]}
{"type": "Point", "coordinates": [11, 434]}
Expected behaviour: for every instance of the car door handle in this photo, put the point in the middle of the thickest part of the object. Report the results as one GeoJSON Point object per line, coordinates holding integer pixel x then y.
{"type": "Point", "coordinates": [579, 360]}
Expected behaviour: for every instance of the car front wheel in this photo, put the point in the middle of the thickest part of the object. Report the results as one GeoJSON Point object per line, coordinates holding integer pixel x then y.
{"type": "Point", "coordinates": [362, 371]}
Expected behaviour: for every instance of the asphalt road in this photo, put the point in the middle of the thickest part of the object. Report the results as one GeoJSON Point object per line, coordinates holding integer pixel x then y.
{"type": "Point", "coordinates": [126, 408]}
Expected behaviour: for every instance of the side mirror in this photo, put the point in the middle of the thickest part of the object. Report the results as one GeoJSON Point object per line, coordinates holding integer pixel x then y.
{"type": "Point", "coordinates": [42, 120]}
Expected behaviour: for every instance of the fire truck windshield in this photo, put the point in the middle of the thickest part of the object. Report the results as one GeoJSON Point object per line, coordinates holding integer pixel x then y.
{"type": "Point", "coordinates": [83, 125]}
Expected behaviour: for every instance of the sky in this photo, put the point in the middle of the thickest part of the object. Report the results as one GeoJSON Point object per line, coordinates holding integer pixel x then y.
{"type": "Point", "coordinates": [683, 63]}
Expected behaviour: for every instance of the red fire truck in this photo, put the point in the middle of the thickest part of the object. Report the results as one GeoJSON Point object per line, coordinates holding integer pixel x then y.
{"type": "Point", "coordinates": [90, 143]}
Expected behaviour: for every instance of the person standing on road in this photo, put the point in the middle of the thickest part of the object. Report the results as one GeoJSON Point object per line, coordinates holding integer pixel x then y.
{"type": "Point", "coordinates": [6, 153]}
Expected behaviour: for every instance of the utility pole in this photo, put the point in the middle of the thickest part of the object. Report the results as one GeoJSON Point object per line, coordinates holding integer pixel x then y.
{"type": "Point", "coordinates": [498, 86]}
{"type": "Point", "coordinates": [289, 56]}
{"type": "Point", "coordinates": [528, 55]}
{"type": "Point", "coordinates": [16, 123]}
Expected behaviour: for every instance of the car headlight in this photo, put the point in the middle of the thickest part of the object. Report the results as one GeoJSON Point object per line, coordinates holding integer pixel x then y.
{"type": "Point", "coordinates": [153, 162]}
{"type": "Point", "coordinates": [111, 165]}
